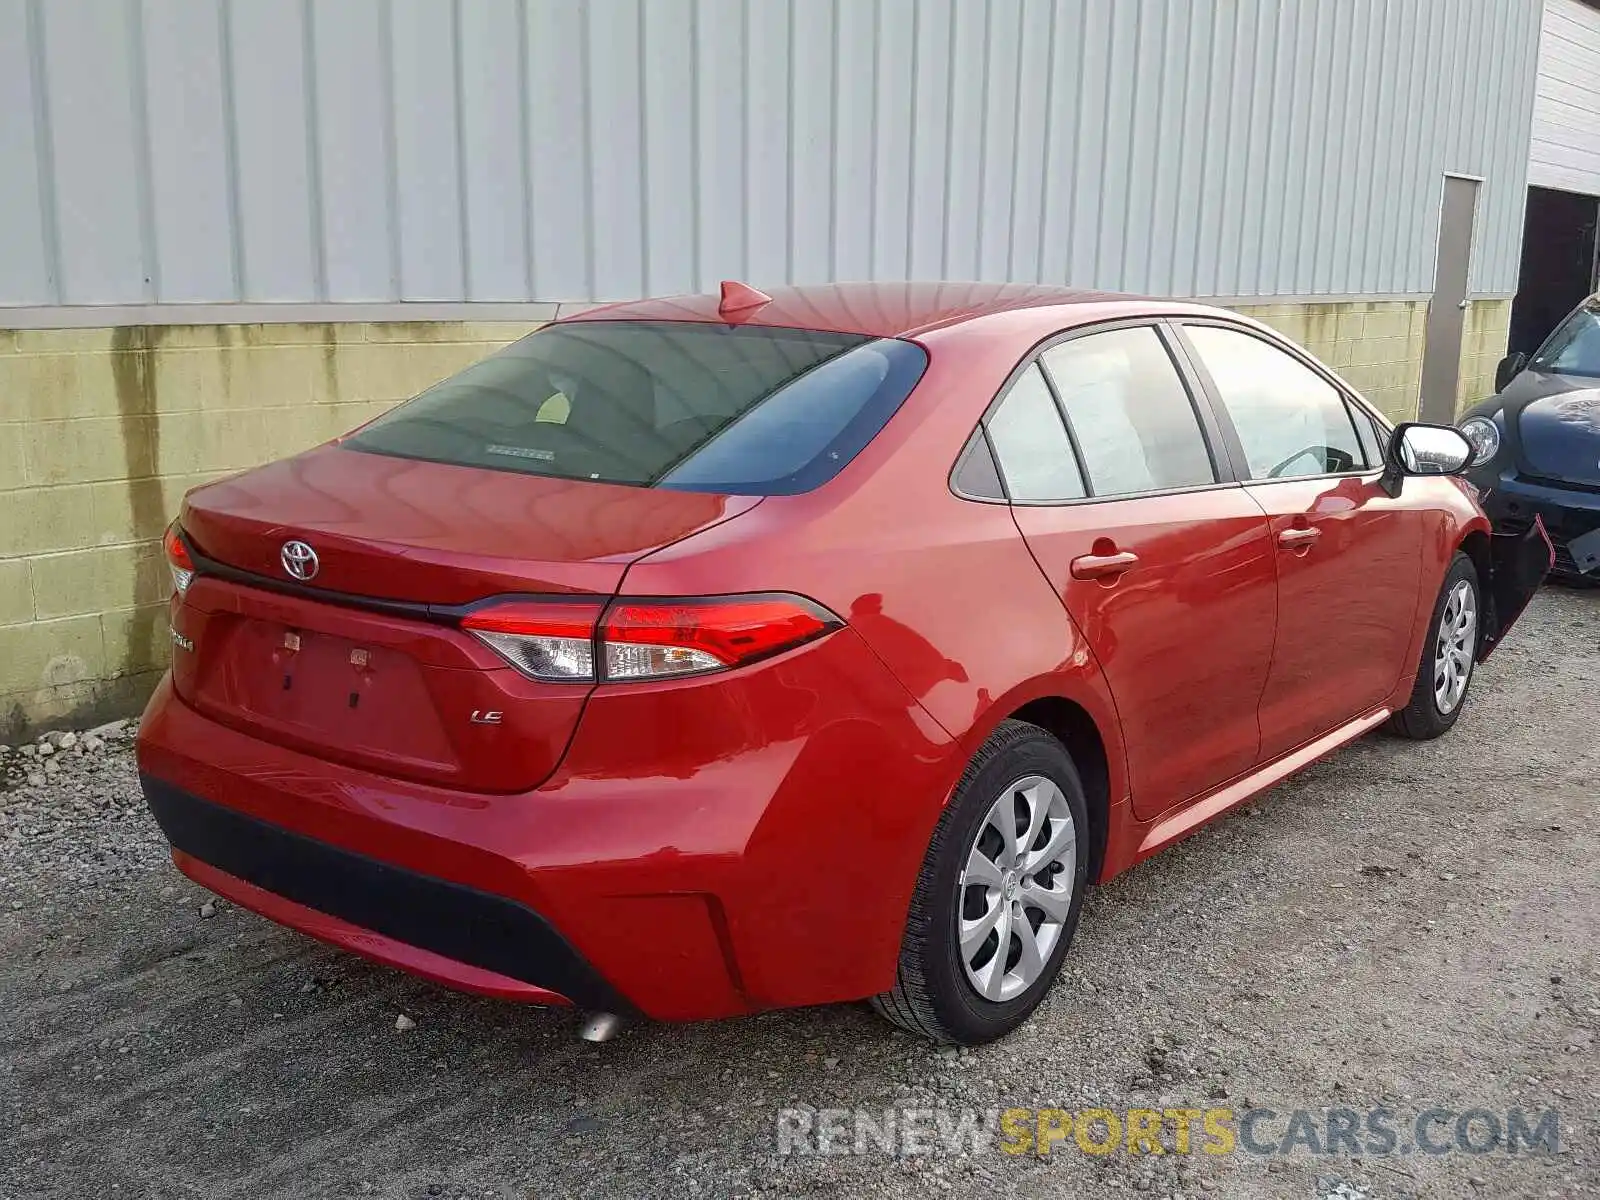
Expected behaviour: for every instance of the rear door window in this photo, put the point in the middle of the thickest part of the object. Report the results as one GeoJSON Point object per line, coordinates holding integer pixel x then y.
{"type": "Point", "coordinates": [1291, 421]}
{"type": "Point", "coordinates": [748, 410]}
{"type": "Point", "coordinates": [977, 475]}
{"type": "Point", "coordinates": [1130, 412]}
{"type": "Point", "coordinates": [1031, 443]}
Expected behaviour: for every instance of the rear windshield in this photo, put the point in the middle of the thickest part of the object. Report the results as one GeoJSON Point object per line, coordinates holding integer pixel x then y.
{"type": "Point", "coordinates": [697, 407]}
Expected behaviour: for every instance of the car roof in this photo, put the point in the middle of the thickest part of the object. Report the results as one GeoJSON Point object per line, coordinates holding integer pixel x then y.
{"type": "Point", "coordinates": [901, 310]}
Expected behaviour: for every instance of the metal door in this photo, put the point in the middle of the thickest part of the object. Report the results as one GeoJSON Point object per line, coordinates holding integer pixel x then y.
{"type": "Point", "coordinates": [1441, 357]}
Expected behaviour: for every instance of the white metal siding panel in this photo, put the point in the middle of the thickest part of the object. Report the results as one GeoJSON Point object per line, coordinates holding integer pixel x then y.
{"type": "Point", "coordinates": [27, 269]}
{"type": "Point", "coordinates": [355, 148]}
{"type": "Point", "coordinates": [279, 228]}
{"type": "Point", "coordinates": [551, 150]}
{"type": "Point", "coordinates": [1127, 97]}
{"type": "Point", "coordinates": [617, 196]}
{"type": "Point", "coordinates": [929, 172]}
{"type": "Point", "coordinates": [1566, 111]}
{"type": "Point", "coordinates": [1178, 190]}
{"type": "Point", "coordinates": [1333, 81]}
{"type": "Point", "coordinates": [999, 149]}
{"type": "Point", "coordinates": [896, 64]}
{"type": "Point", "coordinates": [1245, 190]}
{"type": "Point", "coordinates": [855, 134]}
{"type": "Point", "coordinates": [1031, 140]}
{"type": "Point", "coordinates": [186, 125]}
{"type": "Point", "coordinates": [811, 136]}
{"type": "Point", "coordinates": [493, 178]}
{"type": "Point", "coordinates": [427, 152]}
{"type": "Point", "coordinates": [969, 50]}
{"type": "Point", "coordinates": [672, 221]}
{"type": "Point", "coordinates": [718, 116]}
{"type": "Point", "coordinates": [559, 154]}
{"type": "Point", "coordinates": [95, 149]}
{"type": "Point", "coordinates": [1386, 171]}
{"type": "Point", "coordinates": [1219, 156]}
{"type": "Point", "coordinates": [768, 187]}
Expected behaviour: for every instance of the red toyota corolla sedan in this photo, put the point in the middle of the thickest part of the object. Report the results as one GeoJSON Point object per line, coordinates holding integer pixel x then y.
{"type": "Point", "coordinates": [699, 656]}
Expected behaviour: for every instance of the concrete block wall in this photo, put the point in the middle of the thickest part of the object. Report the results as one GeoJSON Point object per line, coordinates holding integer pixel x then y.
{"type": "Point", "coordinates": [1377, 346]}
{"type": "Point", "coordinates": [1483, 345]}
{"type": "Point", "coordinates": [103, 430]}
{"type": "Point", "coordinates": [101, 433]}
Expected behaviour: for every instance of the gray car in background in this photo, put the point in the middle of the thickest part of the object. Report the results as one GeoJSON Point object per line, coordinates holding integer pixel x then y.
{"type": "Point", "coordinates": [1537, 443]}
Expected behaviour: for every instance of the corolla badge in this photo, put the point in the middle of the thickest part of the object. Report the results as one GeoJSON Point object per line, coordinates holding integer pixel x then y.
{"type": "Point", "coordinates": [300, 560]}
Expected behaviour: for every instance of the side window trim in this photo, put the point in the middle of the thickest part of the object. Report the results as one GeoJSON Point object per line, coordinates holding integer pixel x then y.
{"type": "Point", "coordinates": [1225, 419]}
{"type": "Point", "coordinates": [1227, 452]}
{"type": "Point", "coordinates": [1361, 442]}
{"type": "Point", "coordinates": [1382, 427]}
{"type": "Point", "coordinates": [1066, 420]}
{"type": "Point", "coordinates": [994, 457]}
{"type": "Point", "coordinates": [979, 441]}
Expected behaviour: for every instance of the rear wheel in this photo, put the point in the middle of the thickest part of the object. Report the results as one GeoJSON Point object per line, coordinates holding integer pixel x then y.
{"type": "Point", "coordinates": [1448, 657]}
{"type": "Point", "coordinates": [999, 895]}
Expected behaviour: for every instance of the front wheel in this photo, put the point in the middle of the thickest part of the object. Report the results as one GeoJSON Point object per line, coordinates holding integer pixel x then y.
{"type": "Point", "coordinates": [1448, 657]}
{"type": "Point", "coordinates": [999, 895]}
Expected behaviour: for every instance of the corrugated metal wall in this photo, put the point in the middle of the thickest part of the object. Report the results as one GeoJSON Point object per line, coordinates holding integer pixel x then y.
{"type": "Point", "coordinates": [1566, 110]}
{"type": "Point", "coordinates": [175, 151]}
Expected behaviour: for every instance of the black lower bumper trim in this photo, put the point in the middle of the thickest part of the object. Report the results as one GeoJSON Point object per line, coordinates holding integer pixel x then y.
{"type": "Point", "coordinates": [1562, 527]}
{"type": "Point", "coordinates": [461, 923]}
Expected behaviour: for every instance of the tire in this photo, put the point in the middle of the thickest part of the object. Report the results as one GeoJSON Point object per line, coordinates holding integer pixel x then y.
{"type": "Point", "coordinates": [1426, 716]}
{"type": "Point", "coordinates": [935, 993]}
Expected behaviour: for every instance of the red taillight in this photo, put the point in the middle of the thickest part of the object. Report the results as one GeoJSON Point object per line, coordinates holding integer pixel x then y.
{"type": "Point", "coordinates": [543, 639]}
{"type": "Point", "coordinates": [178, 559]}
{"type": "Point", "coordinates": [645, 638]}
{"type": "Point", "coordinates": [649, 639]}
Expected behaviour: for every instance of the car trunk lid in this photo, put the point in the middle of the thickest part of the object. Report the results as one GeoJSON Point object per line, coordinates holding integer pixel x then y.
{"type": "Point", "coordinates": [396, 529]}
{"type": "Point", "coordinates": [363, 663]}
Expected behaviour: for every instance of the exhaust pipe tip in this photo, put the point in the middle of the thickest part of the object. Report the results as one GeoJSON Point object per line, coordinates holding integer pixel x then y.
{"type": "Point", "coordinates": [600, 1027]}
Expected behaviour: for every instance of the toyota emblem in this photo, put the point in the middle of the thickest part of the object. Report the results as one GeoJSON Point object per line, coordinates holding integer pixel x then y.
{"type": "Point", "coordinates": [300, 560]}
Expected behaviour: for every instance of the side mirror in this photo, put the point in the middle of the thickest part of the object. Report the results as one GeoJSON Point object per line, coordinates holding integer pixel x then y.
{"type": "Point", "coordinates": [1510, 367]}
{"type": "Point", "coordinates": [1417, 449]}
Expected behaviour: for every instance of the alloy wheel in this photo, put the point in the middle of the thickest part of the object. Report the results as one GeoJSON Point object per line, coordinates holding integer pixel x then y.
{"type": "Point", "coordinates": [1015, 892]}
{"type": "Point", "coordinates": [1456, 647]}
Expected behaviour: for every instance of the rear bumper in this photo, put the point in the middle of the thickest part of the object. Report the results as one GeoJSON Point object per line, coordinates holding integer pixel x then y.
{"type": "Point", "coordinates": [453, 934]}
{"type": "Point", "coordinates": [1512, 503]}
{"type": "Point", "coordinates": [704, 850]}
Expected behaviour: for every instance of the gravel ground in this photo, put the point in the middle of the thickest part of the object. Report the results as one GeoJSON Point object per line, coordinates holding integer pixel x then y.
{"type": "Point", "coordinates": [1403, 925]}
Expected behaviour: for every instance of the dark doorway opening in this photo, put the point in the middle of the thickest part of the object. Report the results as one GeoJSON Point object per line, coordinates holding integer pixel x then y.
{"type": "Point", "coordinates": [1559, 244]}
